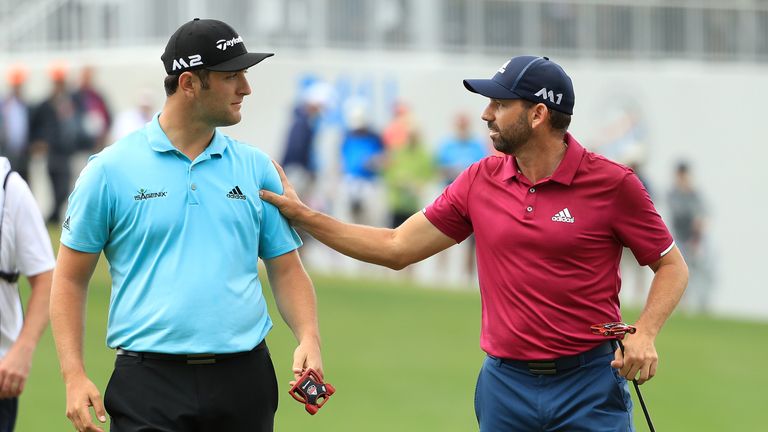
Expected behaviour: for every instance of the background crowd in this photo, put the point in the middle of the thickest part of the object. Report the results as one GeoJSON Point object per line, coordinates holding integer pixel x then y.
{"type": "Point", "coordinates": [362, 159]}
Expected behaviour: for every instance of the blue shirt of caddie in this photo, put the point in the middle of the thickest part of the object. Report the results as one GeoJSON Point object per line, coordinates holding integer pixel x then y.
{"type": "Point", "coordinates": [182, 238]}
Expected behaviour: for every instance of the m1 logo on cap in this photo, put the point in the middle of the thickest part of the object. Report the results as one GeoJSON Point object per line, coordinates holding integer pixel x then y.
{"type": "Point", "coordinates": [222, 44]}
{"type": "Point", "coordinates": [549, 95]}
{"type": "Point", "coordinates": [194, 60]}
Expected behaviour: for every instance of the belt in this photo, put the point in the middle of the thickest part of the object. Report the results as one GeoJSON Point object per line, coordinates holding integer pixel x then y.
{"type": "Point", "coordinates": [192, 359]}
{"type": "Point", "coordinates": [562, 364]}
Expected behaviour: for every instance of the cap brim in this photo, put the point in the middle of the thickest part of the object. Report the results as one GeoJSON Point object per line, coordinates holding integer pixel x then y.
{"type": "Point", "coordinates": [240, 62]}
{"type": "Point", "coordinates": [489, 88]}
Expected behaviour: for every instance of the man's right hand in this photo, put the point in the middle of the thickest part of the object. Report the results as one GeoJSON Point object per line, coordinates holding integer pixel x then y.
{"type": "Point", "coordinates": [82, 394]}
{"type": "Point", "coordinates": [288, 203]}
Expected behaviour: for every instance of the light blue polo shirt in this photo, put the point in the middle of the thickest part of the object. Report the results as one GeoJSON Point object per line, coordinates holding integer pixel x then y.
{"type": "Point", "coordinates": [182, 238]}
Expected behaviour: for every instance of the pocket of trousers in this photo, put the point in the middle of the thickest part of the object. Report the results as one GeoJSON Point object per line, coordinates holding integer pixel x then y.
{"type": "Point", "coordinates": [121, 363]}
{"type": "Point", "coordinates": [622, 387]}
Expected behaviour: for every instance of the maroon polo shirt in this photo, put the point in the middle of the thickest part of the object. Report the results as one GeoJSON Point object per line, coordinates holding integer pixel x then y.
{"type": "Point", "coordinates": [548, 253]}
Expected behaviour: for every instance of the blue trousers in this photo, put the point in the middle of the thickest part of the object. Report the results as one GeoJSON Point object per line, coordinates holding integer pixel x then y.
{"type": "Point", "coordinates": [8, 409]}
{"type": "Point", "coordinates": [592, 397]}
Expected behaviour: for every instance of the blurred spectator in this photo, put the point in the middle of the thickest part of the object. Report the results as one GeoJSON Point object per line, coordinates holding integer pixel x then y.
{"type": "Point", "coordinates": [408, 171]}
{"type": "Point", "coordinates": [624, 140]}
{"type": "Point", "coordinates": [362, 153]}
{"type": "Point", "coordinates": [134, 118]}
{"type": "Point", "coordinates": [25, 249]}
{"type": "Point", "coordinates": [57, 129]}
{"type": "Point", "coordinates": [636, 278]}
{"type": "Point", "coordinates": [625, 137]}
{"type": "Point", "coordinates": [638, 166]}
{"type": "Point", "coordinates": [457, 152]}
{"type": "Point", "coordinates": [397, 133]}
{"type": "Point", "coordinates": [689, 216]}
{"type": "Point", "coordinates": [96, 116]}
{"type": "Point", "coordinates": [299, 158]}
{"type": "Point", "coordinates": [14, 122]}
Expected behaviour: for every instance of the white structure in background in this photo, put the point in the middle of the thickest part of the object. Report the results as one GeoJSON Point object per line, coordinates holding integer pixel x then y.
{"type": "Point", "coordinates": [673, 59]}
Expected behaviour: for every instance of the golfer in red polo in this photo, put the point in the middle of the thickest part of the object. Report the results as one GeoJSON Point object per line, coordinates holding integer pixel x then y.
{"type": "Point", "coordinates": [550, 219]}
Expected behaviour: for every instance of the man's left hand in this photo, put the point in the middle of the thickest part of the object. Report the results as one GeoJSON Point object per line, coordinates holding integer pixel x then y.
{"type": "Point", "coordinates": [639, 360]}
{"type": "Point", "coordinates": [307, 355]}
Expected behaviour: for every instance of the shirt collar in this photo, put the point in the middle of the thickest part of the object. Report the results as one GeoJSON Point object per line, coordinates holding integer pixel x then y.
{"type": "Point", "coordinates": [509, 170]}
{"type": "Point", "coordinates": [218, 144]}
{"type": "Point", "coordinates": [564, 172]}
{"type": "Point", "coordinates": [159, 141]}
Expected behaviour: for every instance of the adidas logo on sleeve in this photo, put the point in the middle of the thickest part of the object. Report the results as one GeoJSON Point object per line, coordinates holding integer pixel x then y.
{"type": "Point", "coordinates": [236, 193]}
{"type": "Point", "coordinates": [563, 216]}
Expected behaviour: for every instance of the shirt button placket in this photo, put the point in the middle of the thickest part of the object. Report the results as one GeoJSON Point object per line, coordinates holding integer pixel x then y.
{"type": "Point", "coordinates": [530, 203]}
{"type": "Point", "coordinates": [192, 187]}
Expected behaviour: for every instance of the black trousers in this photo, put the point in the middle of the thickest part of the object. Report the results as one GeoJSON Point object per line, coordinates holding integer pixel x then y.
{"type": "Point", "coordinates": [236, 394]}
{"type": "Point", "coordinates": [8, 409]}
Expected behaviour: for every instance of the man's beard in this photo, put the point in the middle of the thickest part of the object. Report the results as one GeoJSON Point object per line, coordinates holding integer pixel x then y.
{"type": "Point", "coordinates": [514, 136]}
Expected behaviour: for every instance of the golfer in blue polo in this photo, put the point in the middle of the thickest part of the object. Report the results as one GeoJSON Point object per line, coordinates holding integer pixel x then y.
{"type": "Point", "coordinates": [175, 209]}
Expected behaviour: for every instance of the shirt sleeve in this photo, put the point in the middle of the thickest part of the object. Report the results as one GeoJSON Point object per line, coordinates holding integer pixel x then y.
{"type": "Point", "coordinates": [34, 254]}
{"type": "Point", "coordinates": [638, 225]}
{"type": "Point", "coordinates": [276, 237]}
{"type": "Point", "coordinates": [87, 223]}
{"type": "Point", "coordinates": [450, 211]}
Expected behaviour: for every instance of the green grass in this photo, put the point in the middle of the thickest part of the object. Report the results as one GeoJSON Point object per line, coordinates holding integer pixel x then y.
{"type": "Point", "coordinates": [405, 358]}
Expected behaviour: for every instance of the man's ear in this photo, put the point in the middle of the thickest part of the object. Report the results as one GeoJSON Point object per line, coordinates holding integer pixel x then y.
{"type": "Point", "coordinates": [539, 114]}
{"type": "Point", "coordinates": [187, 83]}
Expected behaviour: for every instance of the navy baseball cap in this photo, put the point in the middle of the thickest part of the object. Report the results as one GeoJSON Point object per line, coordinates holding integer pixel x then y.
{"type": "Point", "coordinates": [536, 79]}
{"type": "Point", "coordinates": [207, 44]}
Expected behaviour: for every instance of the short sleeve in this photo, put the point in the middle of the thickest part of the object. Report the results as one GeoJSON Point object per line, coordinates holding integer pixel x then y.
{"type": "Point", "coordinates": [276, 237]}
{"type": "Point", "coordinates": [87, 223]}
{"type": "Point", "coordinates": [638, 225]}
{"type": "Point", "coordinates": [450, 211]}
{"type": "Point", "coordinates": [34, 254]}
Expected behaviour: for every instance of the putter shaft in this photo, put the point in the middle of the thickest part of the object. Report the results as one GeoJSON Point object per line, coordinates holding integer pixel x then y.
{"type": "Point", "coordinates": [639, 396]}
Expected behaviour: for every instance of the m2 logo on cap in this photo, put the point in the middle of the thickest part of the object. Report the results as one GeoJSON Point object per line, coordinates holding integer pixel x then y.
{"type": "Point", "coordinates": [194, 60]}
{"type": "Point", "coordinates": [549, 95]}
{"type": "Point", "coordinates": [223, 44]}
